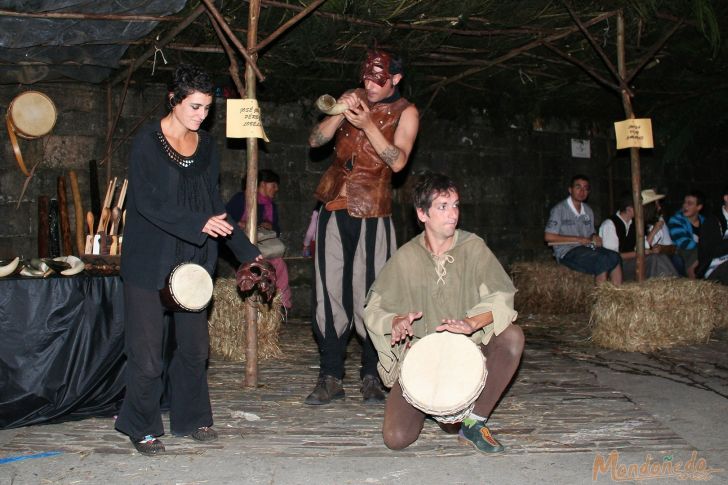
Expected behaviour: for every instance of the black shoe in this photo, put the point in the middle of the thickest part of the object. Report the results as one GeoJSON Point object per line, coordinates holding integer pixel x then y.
{"type": "Point", "coordinates": [148, 446]}
{"type": "Point", "coordinates": [204, 433]}
{"type": "Point", "coordinates": [327, 389]}
{"type": "Point", "coordinates": [371, 390]}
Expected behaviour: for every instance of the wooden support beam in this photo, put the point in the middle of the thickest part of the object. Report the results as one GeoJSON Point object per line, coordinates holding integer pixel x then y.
{"type": "Point", "coordinates": [168, 38]}
{"type": "Point", "coordinates": [598, 49]}
{"type": "Point", "coordinates": [251, 202]}
{"type": "Point", "coordinates": [634, 156]}
{"type": "Point", "coordinates": [582, 65]}
{"type": "Point", "coordinates": [652, 51]}
{"type": "Point", "coordinates": [239, 45]}
{"type": "Point", "coordinates": [89, 16]}
{"type": "Point", "coordinates": [519, 50]}
{"type": "Point", "coordinates": [412, 26]}
{"type": "Point", "coordinates": [290, 23]}
{"type": "Point", "coordinates": [231, 56]}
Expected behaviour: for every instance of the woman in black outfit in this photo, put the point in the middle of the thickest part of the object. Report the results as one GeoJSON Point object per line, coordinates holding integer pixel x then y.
{"type": "Point", "coordinates": [174, 215]}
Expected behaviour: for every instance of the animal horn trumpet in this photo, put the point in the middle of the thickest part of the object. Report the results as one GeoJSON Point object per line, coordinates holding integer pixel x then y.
{"type": "Point", "coordinates": [327, 104]}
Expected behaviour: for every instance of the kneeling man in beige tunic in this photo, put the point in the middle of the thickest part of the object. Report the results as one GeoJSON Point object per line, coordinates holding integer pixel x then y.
{"type": "Point", "coordinates": [443, 280]}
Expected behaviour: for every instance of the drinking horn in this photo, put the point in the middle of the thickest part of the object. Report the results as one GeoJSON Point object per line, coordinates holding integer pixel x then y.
{"type": "Point", "coordinates": [327, 104]}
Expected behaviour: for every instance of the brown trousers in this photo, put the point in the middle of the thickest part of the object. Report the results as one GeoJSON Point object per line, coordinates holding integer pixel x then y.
{"type": "Point", "coordinates": [403, 422]}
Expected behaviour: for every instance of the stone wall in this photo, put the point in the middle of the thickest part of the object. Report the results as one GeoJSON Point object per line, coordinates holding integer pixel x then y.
{"type": "Point", "coordinates": [510, 175]}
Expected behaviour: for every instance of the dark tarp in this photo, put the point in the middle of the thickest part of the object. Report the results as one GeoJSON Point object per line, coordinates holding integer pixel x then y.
{"type": "Point", "coordinates": [42, 49]}
{"type": "Point", "coordinates": [61, 348]}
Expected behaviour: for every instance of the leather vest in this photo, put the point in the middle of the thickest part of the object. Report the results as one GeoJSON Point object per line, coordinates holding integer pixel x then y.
{"type": "Point", "coordinates": [358, 166]}
{"type": "Point", "coordinates": [627, 239]}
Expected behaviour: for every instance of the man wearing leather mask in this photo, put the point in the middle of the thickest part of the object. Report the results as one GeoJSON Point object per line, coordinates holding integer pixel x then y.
{"type": "Point", "coordinates": [355, 235]}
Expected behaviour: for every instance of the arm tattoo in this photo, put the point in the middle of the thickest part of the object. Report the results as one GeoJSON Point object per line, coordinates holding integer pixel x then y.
{"type": "Point", "coordinates": [389, 155]}
{"type": "Point", "coordinates": [317, 138]}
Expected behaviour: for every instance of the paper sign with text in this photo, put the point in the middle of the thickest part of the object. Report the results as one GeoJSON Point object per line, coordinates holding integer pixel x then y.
{"type": "Point", "coordinates": [243, 119]}
{"type": "Point", "coordinates": [634, 133]}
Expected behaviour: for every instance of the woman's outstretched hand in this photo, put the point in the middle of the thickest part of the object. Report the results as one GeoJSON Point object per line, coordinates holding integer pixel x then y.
{"type": "Point", "coordinates": [218, 226]}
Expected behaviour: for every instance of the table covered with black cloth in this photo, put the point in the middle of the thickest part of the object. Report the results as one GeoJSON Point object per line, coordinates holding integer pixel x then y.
{"type": "Point", "coordinates": [61, 348]}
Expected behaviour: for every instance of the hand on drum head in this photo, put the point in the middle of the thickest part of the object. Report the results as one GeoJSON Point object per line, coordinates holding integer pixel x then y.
{"type": "Point", "coordinates": [402, 326]}
{"type": "Point", "coordinates": [456, 326]}
{"type": "Point", "coordinates": [257, 275]}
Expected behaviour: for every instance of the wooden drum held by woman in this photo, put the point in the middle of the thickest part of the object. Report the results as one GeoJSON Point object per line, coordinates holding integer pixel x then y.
{"type": "Point", "coordinates": [442, 375]}
{"type": "Point", "coordinates": [188, 288]}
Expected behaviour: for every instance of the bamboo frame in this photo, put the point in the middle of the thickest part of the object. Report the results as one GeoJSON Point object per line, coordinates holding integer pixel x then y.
{"type": "Point", "coordinates": [251, 202]}
{"type": "Point", "coordinates": [241, 48]}
{"type": "Point", "coordinates": [634, 157]}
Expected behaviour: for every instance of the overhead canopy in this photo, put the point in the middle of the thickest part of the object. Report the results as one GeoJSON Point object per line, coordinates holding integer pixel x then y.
{"type": "Point", "coordinates": [530, 58]}
{"type": "Point", "coordinates": [43, 48]}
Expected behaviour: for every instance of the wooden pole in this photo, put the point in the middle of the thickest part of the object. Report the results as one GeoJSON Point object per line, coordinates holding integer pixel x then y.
{"type": "Point", "coordinates": [79, 214]}
{"type": "Point", "coordinates": [251, 201]}
{"type": "Point", "coordinates": [231, 56]}
{"type": "Point", "coordinates": [634, 156]}
{"type": "Point", "coordinates": [43, 232]}
{"type": "Point", "coordinates": [64, 222]}
{"type": "Point", "coordinates": [110, 125]}
{"type": "Point", "coordinates": [290, 23]}
{"type": "Point", "coordinates": [249, 58]}
{"type": "Point", "coordinates": [158, 45]}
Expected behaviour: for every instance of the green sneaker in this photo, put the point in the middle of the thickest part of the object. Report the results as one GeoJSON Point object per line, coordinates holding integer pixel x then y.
{"type": "Point", "coordinates": [478, 436]}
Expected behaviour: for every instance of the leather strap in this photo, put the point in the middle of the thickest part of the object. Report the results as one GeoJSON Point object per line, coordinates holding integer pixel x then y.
{"type": "Point", "coordinates": [336, 204]}
{"type": "Point", "coordinates": [16, 147]}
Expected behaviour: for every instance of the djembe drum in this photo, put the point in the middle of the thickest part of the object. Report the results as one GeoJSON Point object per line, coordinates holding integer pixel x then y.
{"type": "Point", "coordinates": [188, 288]}
{"type": "Point", "coordinates": [442, 375]}
{"type": "Point", "coordinates": [30, 115]}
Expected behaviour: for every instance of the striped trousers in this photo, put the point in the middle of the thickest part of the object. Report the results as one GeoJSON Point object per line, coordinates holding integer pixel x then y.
{"type": "Point", "coordinates": [349, 254]}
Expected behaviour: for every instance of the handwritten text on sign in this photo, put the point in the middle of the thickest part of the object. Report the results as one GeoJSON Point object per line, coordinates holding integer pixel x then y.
{"type": "Point", "coordinates": [634, 133]}
{"type": "Point", "coordinates": [243, 119]}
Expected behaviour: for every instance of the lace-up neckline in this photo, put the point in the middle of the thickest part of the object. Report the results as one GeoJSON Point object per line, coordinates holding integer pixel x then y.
{"type": "Point", "coordinates": [440, 260]}
{"type": "Point", "coordinates": [440, 268]}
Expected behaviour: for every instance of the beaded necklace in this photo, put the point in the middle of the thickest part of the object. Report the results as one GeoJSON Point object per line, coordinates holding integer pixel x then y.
{"type": "Point", "coordinates": [173, 154]}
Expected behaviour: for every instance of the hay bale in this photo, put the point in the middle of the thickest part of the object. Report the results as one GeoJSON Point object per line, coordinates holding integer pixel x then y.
{"type": "Point", "coordinates": [228, 328]}
{"type": "Point", "coordinates": [656, 314]}
{"type": "Point", "coordinates": [549, 288]}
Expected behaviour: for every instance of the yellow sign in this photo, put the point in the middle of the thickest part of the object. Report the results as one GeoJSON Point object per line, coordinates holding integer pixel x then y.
{"type": "Point", "coordinates": [634, 133]}
{"type": "Point", "coordinates": [243, 119]}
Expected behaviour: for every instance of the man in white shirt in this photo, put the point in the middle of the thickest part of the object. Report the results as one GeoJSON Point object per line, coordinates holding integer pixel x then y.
{"type": "Point", "coordinates": [619, 234]}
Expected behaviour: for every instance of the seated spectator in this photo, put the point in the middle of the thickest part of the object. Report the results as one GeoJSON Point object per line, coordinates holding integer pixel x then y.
{"type": "Point", "coordinates": [576, 245]}
{"type": "Point", "coordinates": [713, 245]}
{"type": "Point", "coordinates": [618, 234]}
{"type": "Point", "coordinates": [684, 229]}
{"type": "Point", "coordinates": [657, 234]}
{"type": "Point", "coordinates": [268, 185]}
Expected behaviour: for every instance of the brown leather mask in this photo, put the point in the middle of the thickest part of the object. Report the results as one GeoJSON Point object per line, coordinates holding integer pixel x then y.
{"type": "Point", "coordinates": [376, 58]}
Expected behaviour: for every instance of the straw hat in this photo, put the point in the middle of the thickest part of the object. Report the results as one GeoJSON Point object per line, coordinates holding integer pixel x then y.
{"type": "Point", "coordinates": [649, 195]}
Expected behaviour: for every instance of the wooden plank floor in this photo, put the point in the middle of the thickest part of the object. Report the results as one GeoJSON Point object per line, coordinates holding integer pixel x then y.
{"type": "Point", "coordinates": [555, 404]}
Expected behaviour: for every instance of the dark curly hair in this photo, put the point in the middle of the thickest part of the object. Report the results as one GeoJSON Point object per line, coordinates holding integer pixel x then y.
{"type": "Point", "coordinates": [186, 80]}
{"type": "Point", "coordinates": [429, 186]}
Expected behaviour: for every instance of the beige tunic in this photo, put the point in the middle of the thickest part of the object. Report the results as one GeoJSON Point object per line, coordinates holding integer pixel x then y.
{"type": "Point", "coordinates": [466, 281]}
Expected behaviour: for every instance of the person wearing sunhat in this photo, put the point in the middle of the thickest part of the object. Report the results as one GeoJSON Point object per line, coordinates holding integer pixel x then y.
{"type": "Point", "coordinates": [618, 234]}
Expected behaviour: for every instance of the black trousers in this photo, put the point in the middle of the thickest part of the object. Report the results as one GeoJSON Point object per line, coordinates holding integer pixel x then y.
{"type": "Point", "coordinates": [189, 397]}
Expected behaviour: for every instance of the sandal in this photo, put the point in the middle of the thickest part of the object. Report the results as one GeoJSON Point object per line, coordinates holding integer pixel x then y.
{"type": "Point", "coordinates": [204, 433]}
{"type": "Point", "coordinates": [148, 446]}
